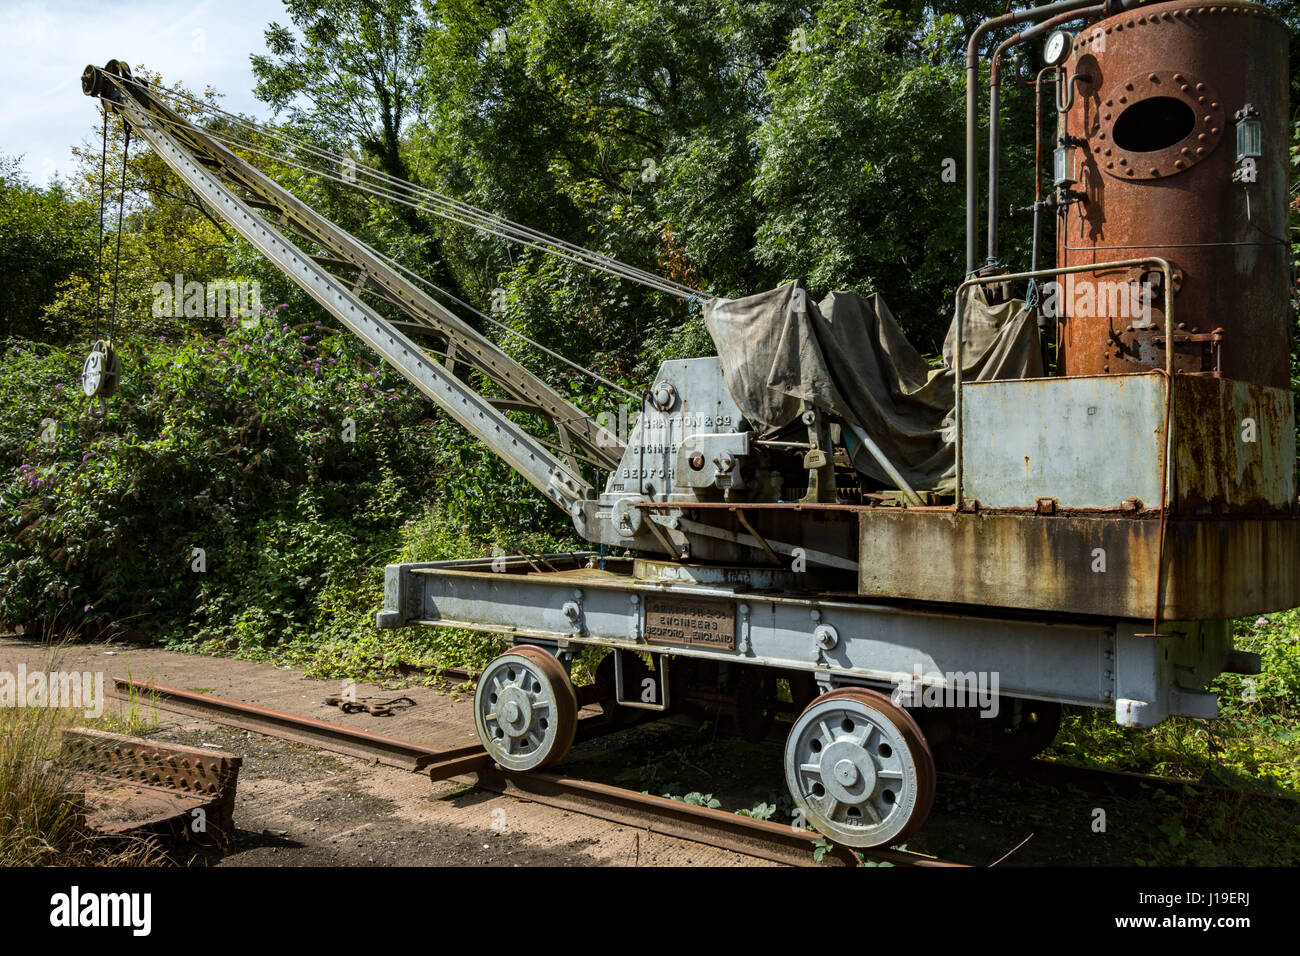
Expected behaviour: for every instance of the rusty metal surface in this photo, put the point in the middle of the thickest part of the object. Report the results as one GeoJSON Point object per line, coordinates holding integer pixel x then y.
{"type": "Point", "coordinates": [759, 838]}
{"type": "Point", "coordinates": [1203, 62]}
{"type": "Point", "coordinates": [690, 622]}
{"type": "Point", "coordinates": [1234, 447]}
{"type": "Point", "coordinates": [132, 783]}
{"type": "Point", "coordinates": [1213, 568]}
{"type": "Point", "coordinates": [358, 743]}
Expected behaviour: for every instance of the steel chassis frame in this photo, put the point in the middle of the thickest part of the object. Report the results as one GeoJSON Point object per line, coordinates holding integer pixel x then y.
{"type": "Point", "coordinates": [841, 639]}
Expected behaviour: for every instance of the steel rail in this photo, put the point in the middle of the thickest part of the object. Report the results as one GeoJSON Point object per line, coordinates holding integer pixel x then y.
{"type": "Point", "coordinates": [389, 751]}
{"type": "Point", "coordinates": [761, 839]}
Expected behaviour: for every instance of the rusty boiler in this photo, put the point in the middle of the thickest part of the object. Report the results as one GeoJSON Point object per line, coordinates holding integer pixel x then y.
{"type": "Point", "coordinates": [1159, 103]}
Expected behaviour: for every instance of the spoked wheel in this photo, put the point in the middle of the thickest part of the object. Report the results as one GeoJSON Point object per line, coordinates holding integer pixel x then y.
{"type": "Point", "coordinates": [859, 767]}
{"type": "Point", "coordinates": [525, 709]}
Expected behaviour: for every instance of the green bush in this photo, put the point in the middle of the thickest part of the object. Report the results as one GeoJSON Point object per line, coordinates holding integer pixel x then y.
{"type": "Point", "coordinates": [226, 501]}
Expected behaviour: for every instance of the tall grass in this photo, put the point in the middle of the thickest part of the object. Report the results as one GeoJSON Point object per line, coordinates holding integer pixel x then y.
{"type": "Point", "coordinates": [40, 813]}
{"type": "Point", "coordinates": [42, 822]}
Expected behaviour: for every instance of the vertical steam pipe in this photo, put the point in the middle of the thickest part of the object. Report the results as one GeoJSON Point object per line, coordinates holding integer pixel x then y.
{"type": "Point", "coordinates": [972, 105]}
{"type": "Point", "coordinates": [995, 116]}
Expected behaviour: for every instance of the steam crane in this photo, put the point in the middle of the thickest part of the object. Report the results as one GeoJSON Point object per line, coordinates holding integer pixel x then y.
{"type": "Point", "coordinates": [816, 506]}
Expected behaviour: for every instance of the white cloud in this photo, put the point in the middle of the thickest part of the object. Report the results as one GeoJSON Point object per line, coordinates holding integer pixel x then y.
{"type": "Point", "coordinates": [45, 44]}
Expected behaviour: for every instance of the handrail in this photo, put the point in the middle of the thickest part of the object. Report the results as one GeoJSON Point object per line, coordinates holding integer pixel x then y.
{"type": "Point", "coordinates": [1164, 267]}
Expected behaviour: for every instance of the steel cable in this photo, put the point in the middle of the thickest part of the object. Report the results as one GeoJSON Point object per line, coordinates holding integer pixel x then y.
{"type": "Point", "coordinates": [447, 207]}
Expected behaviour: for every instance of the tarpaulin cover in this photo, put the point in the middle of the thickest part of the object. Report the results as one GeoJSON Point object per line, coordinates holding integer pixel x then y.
{"type": "Point", "coordinates": [846, 355]}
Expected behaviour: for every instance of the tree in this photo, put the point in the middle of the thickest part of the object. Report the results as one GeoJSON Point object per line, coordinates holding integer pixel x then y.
{"type": "Point", "coordinates": [347, 78]}
{"type": "Point", "coordinates": [46, 237]}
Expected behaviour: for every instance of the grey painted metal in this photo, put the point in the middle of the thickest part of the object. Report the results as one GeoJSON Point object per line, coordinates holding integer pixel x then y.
{"type": "Point", "coordinates": [851, 770]}
{"type": "Point", "coordinates": [1087, 442]}
{"type": "Point", "coordinates": [519, 449]}
{"type": "Point", "coordinates": [701, 405]}
{"type": "Point", "coordinates": [1163, 265]}
{"type": "Point", "coordinates": [516, 712]}
{"type": "Point", "coordinates": [1101, 664]}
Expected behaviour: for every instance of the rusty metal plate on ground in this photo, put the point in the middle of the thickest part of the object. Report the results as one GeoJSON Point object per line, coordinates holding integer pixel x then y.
{"type": "Point", "coordinates": [690, 622]}
{"type": "Point", "coordinates": [131, 783]}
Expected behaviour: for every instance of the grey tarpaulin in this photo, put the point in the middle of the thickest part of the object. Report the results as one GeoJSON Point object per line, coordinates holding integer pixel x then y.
{"type": "Point", "coordinates": [848, 356]}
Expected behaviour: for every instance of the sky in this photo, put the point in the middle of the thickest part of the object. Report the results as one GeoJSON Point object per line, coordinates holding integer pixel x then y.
{"type": "Point", "coordinates": [45, 45]}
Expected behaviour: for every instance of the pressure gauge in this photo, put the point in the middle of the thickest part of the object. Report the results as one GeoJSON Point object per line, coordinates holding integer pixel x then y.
{"type": "Point", "coordinates": [1057, 48]}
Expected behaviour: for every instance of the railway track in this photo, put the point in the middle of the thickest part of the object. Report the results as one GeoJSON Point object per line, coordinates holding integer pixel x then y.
{"type": "Point", "coordinates": [761, 839]}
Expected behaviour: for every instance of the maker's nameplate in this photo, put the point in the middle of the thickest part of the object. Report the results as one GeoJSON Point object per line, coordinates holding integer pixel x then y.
{"type": "Point", "coordinates": [690, 622]}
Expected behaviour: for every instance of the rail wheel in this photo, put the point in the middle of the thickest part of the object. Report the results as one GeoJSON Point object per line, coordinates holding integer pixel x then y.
{"type": "Point", "coordinates": [860, 769]}
{"type": "Point", "coordinates": [525, 709]}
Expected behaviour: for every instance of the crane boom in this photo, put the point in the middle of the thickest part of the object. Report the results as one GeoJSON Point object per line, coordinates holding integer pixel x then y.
{"type": "Point", "coordinates": [215, 173]}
